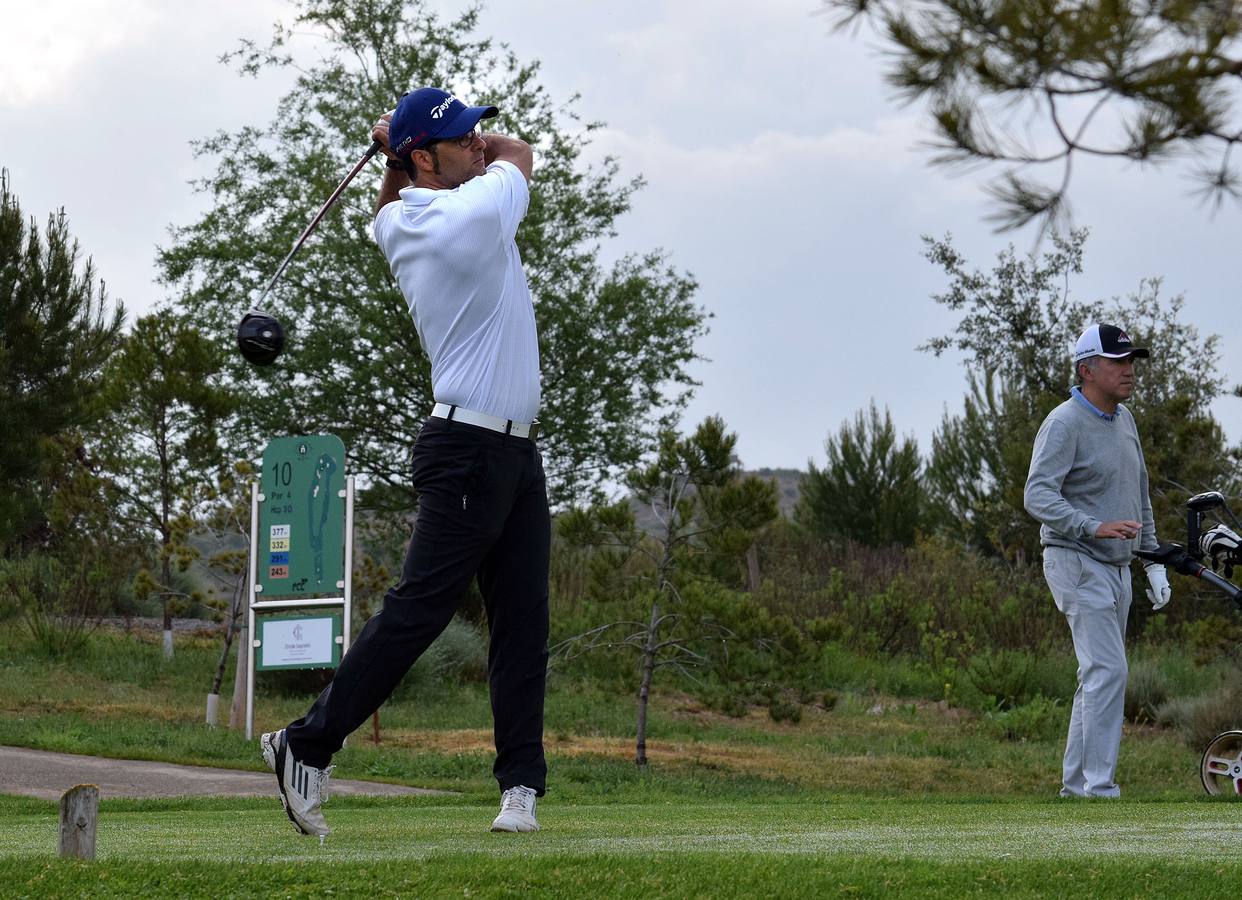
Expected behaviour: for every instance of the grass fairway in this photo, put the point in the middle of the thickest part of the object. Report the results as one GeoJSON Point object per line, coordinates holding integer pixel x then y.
{"type": "Point", "coordinates": [875, 796]}
{"type": "Point", "coordinates": [835, 845]}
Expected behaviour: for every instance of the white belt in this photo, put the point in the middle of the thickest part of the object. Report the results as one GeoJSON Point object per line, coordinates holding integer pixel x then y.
{"type": "Point", "coordinates": [483, 420]}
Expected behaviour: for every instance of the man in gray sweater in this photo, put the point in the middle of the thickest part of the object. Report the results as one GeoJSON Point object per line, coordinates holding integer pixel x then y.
{"type": "Point", "coordinates": [1088, 488]}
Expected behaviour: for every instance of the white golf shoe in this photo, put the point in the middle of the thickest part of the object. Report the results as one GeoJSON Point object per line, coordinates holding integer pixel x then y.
{"type": "Point", "coordinates": [517, 810]}
{"type": "Point", "coordinates": [302, 788]}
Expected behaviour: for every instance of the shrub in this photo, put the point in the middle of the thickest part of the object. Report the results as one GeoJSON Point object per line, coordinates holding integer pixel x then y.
{"type": "Point", "coordinates": [1199, 719]}
{"type": "Point", "coordinates": [1146, 691]}
{"type": "Point", "coordinates": [845, 669]}
{"type": "Point", "coordinates": [782, 710]}
{"type": "Point", "coordinates": [1039, 720]}
{"type": "Point", "coordinates": [458, 655]}
{"type": "Point", "coordinates": [1213, 637]}
{"type": "Point", "coordinates": [1002, 677]}
{"type": "Point", "coordinates": [61, 601]}
{"type": "Point", "coordinates": [884, 600]}
{"type": "Point", "coordinates": [724, 700]}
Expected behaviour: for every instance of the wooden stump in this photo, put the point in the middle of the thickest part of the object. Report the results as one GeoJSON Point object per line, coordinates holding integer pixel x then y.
{"type": "Point", "coordinates": [79, 808]}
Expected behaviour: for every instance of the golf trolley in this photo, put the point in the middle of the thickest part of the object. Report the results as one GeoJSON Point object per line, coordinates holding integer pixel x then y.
{"type": "Point", "coordinates": [1221, 547]}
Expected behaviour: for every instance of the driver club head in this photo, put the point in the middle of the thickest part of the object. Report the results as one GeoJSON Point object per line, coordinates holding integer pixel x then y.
{"type": "Point", "coordinates": [1205, 501]}
{"type": "Point", "coordinates": [260, 337]}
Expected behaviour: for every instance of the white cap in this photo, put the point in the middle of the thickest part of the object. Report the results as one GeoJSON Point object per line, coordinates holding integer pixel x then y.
{"type": "Point", "coordinates": [1106, 340]}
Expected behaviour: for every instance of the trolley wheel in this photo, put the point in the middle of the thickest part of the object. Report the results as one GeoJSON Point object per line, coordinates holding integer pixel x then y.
{"type": "Point", "coordinates": [1221, 768]}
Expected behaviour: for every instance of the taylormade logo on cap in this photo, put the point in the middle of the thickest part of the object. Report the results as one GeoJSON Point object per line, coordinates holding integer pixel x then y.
{"type": "Point", "coordinates": [439, 110]}
{"type": "Point", "coordinates": [429, 114]}
{"type": "Point", "coordinates": [1106, 340]}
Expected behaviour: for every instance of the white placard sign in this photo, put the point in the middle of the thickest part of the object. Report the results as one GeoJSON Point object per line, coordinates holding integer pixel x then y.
{"type": "Point", "coordinates": [296, 642]}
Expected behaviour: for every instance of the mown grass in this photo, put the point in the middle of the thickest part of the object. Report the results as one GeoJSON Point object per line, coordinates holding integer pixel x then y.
{"type": "Point", "coordinates": [878, 795]}
{"type": "Point", "coordinates": [833, 845]}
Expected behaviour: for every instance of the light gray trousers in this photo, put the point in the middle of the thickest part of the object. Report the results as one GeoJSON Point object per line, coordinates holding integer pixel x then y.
{"type": "Point", "coordinates": [1095, 598]}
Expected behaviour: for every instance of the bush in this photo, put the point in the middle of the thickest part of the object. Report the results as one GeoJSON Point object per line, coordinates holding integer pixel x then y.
{"type": "Point", "coordinates": [458, 655]}
{"type": "Point", "coordinates": [882, 601]}
{"type": "Point", "coordinates": [1146, 691]}
{"type": "Point", "coordinates": [1039, 720]}
{"type": "Point", "coordinates": [1002, 677]}
{"type": "Point", "coordinates": [1213, 637]}
{"type": "Point", "coordinates": [841, 668]}
{"type": "Point", "coordinates": [61, 601]}
{"type": "Point", "coordinates": [783, 710]}
{"type": "Point", "coordinates": [1199, 719]}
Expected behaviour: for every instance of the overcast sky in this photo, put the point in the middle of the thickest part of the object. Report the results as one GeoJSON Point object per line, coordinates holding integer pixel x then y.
{"type": "Point", "coordinates": [780, 172]}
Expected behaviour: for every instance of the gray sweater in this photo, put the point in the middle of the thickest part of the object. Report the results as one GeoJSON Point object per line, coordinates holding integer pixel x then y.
{"type": "Point", "coordinates": [1086, 470]}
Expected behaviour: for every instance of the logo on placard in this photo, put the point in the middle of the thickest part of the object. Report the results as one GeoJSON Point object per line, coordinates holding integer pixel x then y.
{"type": "Point", "coordinates": [297, 633]}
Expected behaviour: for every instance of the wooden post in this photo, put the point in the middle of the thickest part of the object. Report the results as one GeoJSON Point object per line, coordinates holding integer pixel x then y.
{"type": "Point", "coordinates": [237, 713]}
{"type": "Point", "coordinates": [79, 808]}
{"type": "Point", "coordinates": [375, 726]}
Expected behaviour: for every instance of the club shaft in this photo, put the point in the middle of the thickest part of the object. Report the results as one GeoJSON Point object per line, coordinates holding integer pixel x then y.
{"type": "Point", "coordinates": [297, 245]}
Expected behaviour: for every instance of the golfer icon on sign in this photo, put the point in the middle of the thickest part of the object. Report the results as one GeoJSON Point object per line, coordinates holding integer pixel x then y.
{"type": "Point", "coordinates": [317, 501]}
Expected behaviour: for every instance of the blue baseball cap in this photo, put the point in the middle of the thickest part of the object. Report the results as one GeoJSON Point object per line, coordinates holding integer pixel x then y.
{"type": "Point", "coordinates": [428, 114]}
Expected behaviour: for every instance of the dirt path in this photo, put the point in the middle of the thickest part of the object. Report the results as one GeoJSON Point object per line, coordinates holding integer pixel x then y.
{"type": "Point", "coordinates": [38, 773]}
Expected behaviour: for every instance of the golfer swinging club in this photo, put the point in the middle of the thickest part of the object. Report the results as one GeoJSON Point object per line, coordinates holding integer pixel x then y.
{"type": "Point", "coordinates": [1088, 487]}
{"type": "Point", "coordinates": [445, 219]}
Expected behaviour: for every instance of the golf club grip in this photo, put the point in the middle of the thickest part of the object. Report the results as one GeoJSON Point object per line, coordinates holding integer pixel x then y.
{"type": "Point", "coordinates": [297, 245]}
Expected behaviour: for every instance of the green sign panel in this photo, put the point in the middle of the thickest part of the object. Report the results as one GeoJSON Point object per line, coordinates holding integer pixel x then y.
{"type": "Point", "coordinates": [299, 641]}
{"type": "Point", "coordinates": [301, 550]}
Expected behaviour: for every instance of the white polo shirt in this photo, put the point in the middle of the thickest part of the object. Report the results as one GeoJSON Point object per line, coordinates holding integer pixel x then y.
{"type": "Point", "coordinates": [453, 254]}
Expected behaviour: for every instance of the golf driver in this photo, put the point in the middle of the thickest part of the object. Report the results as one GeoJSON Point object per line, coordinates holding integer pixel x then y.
{"type": "Point", "coordinates": [260, 336]}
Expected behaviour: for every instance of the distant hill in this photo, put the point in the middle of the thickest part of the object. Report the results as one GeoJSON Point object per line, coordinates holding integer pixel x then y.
{"type": "Point", "coordinates": [788, 489]}
{"type": "Point", "coordinates": [788, 486]}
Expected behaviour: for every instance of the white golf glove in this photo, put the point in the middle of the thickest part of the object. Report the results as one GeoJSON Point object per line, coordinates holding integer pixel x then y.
{"type": "Point", "coordinates": [1220, 545]}
{"type": "Point", "coordinates": [1158, 590]}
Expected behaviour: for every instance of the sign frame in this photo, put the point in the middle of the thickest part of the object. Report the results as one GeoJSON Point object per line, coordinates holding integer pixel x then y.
{"type": "Point", "coordinates": [260, 605]}
{"type": "Point", "coordinates": [337, 637]}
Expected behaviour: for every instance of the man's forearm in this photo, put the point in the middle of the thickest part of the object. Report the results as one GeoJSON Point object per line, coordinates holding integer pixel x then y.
{"type": "Point", "coordinates": [509, 149]}
{"type": "Point", "coordinates": [390, 188]}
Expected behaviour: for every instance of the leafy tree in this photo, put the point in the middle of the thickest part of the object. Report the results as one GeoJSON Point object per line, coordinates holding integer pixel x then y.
{"type": "Point", "coordinates": [870, 491]}
{"type": "Point", "coordinates": [696, 491]}
{"type": "Point", "coordinates": [977, 472]}
{"type": "Point", "coordinates": [81, 569]}
{"type": "Point", "coordinates": [56, 333]}
{"type": "Point", "coordinates": [615, 342]}
{"type": "Point", "coordinates": [1018, 327]}
{"type": "Point", "coordinates": [1018, 320]}
{"type": "Point", "coordinates": [1130, 79]}
{"type": "Point", "coordinates": [162, 444]}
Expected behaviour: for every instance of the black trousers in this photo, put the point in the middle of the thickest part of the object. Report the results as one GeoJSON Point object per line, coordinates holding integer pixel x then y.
{"type": "Point", "coordinates": [482, 510]}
